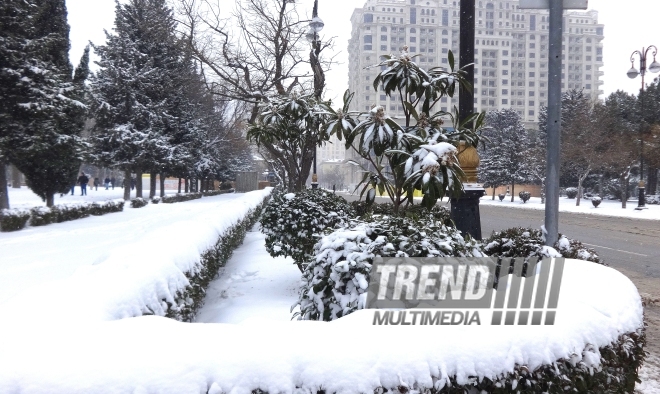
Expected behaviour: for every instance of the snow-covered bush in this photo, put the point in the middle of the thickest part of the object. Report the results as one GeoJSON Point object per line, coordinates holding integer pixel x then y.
{"type": "Point", "coordinates": [362, 209]}
{"type": "Point", "coordinates": [41, 216]}
{"type": "Point", "coordinates": [653, 199]}
{"type": "Point", "coordinates": [335, 282]}
{"type": "Point", "coordinates": [13, 219]}
{"type": "Point", "coordinates": [155, 200]}
{"type": "Point", "coordinates": [527, 242]}
{"type": "Point", "coordinates": [99, 208]}
{"type": "Point", "coordinates": [139, 202]}
{"type": "Point", "coordinates": [571, 192]}
{"type": "Point", "coordinates": [596, 201]}
{"type": "Point", "coordinates": [524, 196]}
{"type": "Point", "coordinates": [180, 197]}
{"type": "Point", "coordinates": [293, 223]}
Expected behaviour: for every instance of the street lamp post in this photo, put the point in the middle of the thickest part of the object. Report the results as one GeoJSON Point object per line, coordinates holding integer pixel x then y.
{"type": "Point", "coordinates": [315, 27]}
{"type": "Point", "coordinates": [633, 73]}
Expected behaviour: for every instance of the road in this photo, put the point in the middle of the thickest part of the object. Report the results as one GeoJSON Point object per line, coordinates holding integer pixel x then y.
{"type": "Point", "coordinates": [626, 244]}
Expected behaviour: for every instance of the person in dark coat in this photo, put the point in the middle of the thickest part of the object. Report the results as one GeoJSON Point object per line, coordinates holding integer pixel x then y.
{"type": "Point", "coordinates": [107, 183]}
{"type": "Point", "coordinates": [133, 182]}
{"type": "Point", "coordinates": [83, 180]}
{"type": "Point", "coordinates": [96, 183]}
{"type": "Point", "coordinates": [112, 183]}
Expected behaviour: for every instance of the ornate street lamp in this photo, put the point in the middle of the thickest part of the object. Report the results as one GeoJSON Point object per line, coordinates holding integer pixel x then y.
{"type": "Point", "coordinates": [633, 73]}
{"type": "Point", "coordinates": [315, 27]}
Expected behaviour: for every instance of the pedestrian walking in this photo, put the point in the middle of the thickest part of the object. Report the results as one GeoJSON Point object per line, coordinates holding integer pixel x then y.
{"type": "Point", "coordinates": [83, 180]}
{"type": "Point", "coordinates": [96, 184]}
{"type": "Point", "coordinates": [107, 183]}
{"type": "Point", "coordinates": [133, 183]}
{"type": "Point", "coordinates": [112, 183]}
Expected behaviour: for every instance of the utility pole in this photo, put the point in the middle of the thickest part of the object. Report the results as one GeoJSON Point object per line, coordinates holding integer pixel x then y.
{"type": "Point", "coordinates": [556, 8]}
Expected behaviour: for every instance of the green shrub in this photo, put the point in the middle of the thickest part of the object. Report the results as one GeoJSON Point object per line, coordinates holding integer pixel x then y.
{"type": "Point", "coordinates": [13, 219]}
{"type": "Point", "coordinates": [139, 202]}
{"type": "Point", "coordinates": [155, 200]}
{"type": "Point", "coordinates": [363, 209]}
{"type": "Point", "coordinates": [212, 193]}
{"type": "Point", "coordinates": [293, 223]}
{"type": "Point", "coordinates": [103, 207]}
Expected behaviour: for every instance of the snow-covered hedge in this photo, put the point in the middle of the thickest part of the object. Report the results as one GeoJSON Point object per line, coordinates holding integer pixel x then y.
{"type": "Point", "coordinates": [527, 242]}
{"type": "Point", "coordinates": [571, 192]}
{"type": "Point", "coordinates": [653, 199]}
{"type": "Point", "coordinates": [188, 300]}
{"type": "Point", "coordinates": [155, 199]}
{"type": "Point", "coordinates": [293, 223]}
{"type": "Point", "coordinates": [524, 196]}
{"type": "Point", "coordinates": [139, 202]}
{"type": "Point", "coordinates": [335, 282]}
{"type": "Point", "coordinates": [362, 209]}
{"type": "Point", "coordinates": [13, 219]}
{"type": "Point", "coordinates": [179, 197]}
{"type": "Point", "coordinates": [211, 193]}
{"type": "Point", "coordinates": [41, 216]}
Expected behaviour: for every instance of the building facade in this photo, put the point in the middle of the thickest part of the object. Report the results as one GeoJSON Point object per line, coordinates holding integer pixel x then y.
{"type": "Point", "coordinates": [511, 51]}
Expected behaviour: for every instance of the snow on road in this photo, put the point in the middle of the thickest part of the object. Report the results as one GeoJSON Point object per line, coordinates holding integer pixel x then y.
{"type": "Point", "coordinates": [606, 207]}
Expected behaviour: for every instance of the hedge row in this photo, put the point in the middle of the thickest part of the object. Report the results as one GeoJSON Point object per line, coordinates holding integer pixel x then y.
{"type": "Point", "coordinates": [212, 193]}
{"type": "Point", "coordinates": [180, 197]}
{"type": "Point", "coordinates": [188, 302]}
{"type": "Point", "coordinates": [17, 219]}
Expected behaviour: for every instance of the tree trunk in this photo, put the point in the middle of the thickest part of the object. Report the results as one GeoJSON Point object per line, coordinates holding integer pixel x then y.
{"type": "Point", "coordinates": [4, 195]}
{"type": "Point", "coordinates": [187, 185]}
{"type": "Point", "coordinates": [513, 190]}
{"type": "Point", "coordinates": [543, 191]}
{"type": "Point", "coordinates": [493, 193]}
{"type": "Point", "coordinates": [600, 186]}
{"type": "Point", "coordinates": [152, 184]}
{"type": "Point", "coordinates": [179, 187]}
{"type": "Point", "coordinates": [138, 184]}
{"type": "Point", "coordinates": [652, 186]}
{"type": "Point", "coordinates": [15, 178]}
{"type": "Point", "coordinates": [162, 185]}
{"type": "Point", "coordinates": [580, 180]}
{"type": "Point", "coordinates": [50, 200]}
{"type": "Point", "coordinates": [127, 185]}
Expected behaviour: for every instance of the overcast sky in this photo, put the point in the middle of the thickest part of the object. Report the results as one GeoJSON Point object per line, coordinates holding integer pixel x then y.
{"type": "Point", "coordinates": [629, 25]}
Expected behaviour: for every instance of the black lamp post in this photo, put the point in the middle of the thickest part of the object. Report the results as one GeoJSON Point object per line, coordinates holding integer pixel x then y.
{"type": "Point", "coordinates": [633, 73]}
{"type": "Point", "coordinates": [315, 27]}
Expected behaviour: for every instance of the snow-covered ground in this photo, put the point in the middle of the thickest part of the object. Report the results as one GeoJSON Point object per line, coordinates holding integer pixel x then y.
{"type": "Point", "coordinates": [606, 207]}
{"type": "Point", "coordinates": [252, 284]}
{"type": "Point", "coordinates": [24, 198]}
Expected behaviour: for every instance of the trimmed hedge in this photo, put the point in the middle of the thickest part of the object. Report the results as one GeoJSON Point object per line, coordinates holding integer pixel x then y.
{"type": "Point", "coordinates": [180, 197]}
{"type": "Point", "coordinates": [13, 219]}
{"type": "Point", "coordinates": [212, 193]}
{"type": "Point", "coordinates": [155, 200]}
{"type": "Point", "coordinates": [139, 202]}
{"type": "Point", "coordinates": [188, 302]}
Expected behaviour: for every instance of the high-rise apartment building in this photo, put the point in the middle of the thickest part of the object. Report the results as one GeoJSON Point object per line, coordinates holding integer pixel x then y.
{"type": "Point", "coordinates": [511, 51]}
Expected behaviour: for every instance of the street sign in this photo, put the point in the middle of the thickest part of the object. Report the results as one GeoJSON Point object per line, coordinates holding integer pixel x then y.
{"type": "Point", "coordinates": [545, 4]}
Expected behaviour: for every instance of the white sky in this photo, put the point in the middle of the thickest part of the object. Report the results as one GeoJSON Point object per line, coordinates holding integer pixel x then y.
{"type": "Point", "coordinates": [629, 25]}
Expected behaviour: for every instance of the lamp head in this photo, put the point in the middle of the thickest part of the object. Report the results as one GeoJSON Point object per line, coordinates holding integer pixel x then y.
{"type": "Point", "coordinates": [316, 24]}
{"type": "Point", "coordinates": [310, 35]}
{"type": "Point", "coordinates": [654, 67]}
{"type": "Point", "coordinates": [632, 73]}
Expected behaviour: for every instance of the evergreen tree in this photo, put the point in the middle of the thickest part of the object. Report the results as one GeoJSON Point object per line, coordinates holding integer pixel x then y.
{"type": "Point", "coordinates": [41, 113]}
{"type": "Point", "coordinates": [135, 88]}
{"type": "Point", "coordinates": [503, 156]}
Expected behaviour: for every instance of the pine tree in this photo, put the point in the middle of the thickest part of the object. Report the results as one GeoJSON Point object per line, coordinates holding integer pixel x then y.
{"type": "Point", "coordinates": [38, 131]}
